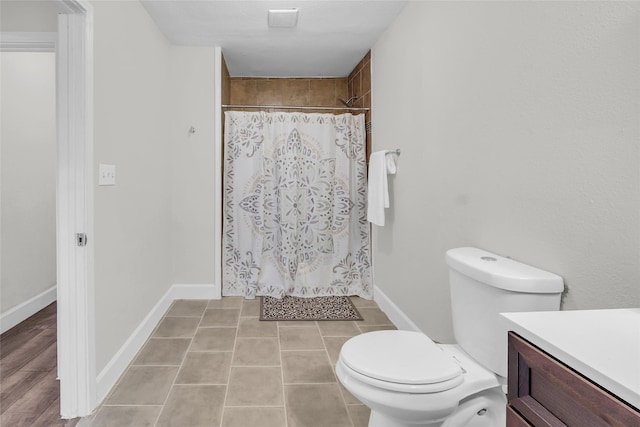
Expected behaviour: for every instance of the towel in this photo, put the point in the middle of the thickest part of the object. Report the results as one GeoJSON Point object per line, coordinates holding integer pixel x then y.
{"type": "Point", "coordinates": [378, 191]}
{"type": "Point", "coordinates": [391, 158]}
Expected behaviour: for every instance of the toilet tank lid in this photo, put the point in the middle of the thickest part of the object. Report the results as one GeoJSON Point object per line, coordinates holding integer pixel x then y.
{"type": "Point", "coordinates": [503, 273]}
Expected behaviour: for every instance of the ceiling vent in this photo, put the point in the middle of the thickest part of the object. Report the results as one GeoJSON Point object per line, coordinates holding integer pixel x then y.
{"type": "Point", "coordinates": [283, 18]}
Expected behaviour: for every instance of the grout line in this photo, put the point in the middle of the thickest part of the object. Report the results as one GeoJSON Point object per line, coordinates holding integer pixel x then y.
{"type": "Point", "coordinates": [166, 338]}
{"type": "Point", "coordinates": [138, 404]}
{"type": "Point", "coordinates": [213, 327]}
{"type": "Point", "coordinates": [341, 388]}
{"type": "Point", "coordinates": [344, 400]}
{"type": "Point", "coordinates": [284, 395]}
{"type": "Point", "coordinates": [157, 365]}
{"type": "Point", "coordinates": [324, 383]}
{"type": "Point", "coordinates": [255, 366]}
{"type": "Point", "coordinates": [256, 338]}
{"type": "Point", "coordinates": [185, 317]}
{"type": "Point", "coordinates": [184, 356]}
{"type": "Point", "coordinates": [233, 353]}
{"type": "Point", "coordinates": [200, 384]}
{"type": "Point", "coordinates": [254, 406]}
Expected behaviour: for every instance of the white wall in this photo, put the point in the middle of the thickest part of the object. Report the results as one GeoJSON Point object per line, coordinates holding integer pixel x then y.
{"type": "Point", "coordinates": [28, 16]}
{"type": "Point", "coordinates": [132, 131]}
{"type": "Point", "coordinates": [153, 228]}
{"type": "Point", "coordinates": [518, 124]}
{"type": "Point", "coordinates": [28, 156]}
{"type": "Point", "coordinates": [192, 205]}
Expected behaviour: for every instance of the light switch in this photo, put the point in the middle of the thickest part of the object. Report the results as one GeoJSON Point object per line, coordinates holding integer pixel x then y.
{"type": "Point", "coordinates": [107, 175]}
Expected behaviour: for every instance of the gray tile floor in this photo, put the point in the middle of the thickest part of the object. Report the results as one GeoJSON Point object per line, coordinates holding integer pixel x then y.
{"type": "Point", "coordinates": [213, 363]}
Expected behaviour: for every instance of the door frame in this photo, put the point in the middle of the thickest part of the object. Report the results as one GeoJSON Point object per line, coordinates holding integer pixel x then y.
{"type": "Point", "coordinates": [73, 45]}
{"type": "Point", "coordinates": [76, 305]}
{"type": "Point", "coordinates": [217, 173]}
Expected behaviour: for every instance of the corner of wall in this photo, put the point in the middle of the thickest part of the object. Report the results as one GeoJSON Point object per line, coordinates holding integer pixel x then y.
{"type": "Point", "coordinates": [23, 311]}
{"type": "Point", "coordinates": [393, 312]}
{"type": "Point", "coordinates": [110, 374]}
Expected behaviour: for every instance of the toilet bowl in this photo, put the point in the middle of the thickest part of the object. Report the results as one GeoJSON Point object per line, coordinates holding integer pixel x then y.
{"type": "Point", "coordinates": [408, 380]}
{"type": "Point", "coordinates": [426, 385]}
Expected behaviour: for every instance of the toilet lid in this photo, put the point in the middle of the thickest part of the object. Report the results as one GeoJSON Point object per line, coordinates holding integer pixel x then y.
{"type": "Point", "coordinates": [399, 356]}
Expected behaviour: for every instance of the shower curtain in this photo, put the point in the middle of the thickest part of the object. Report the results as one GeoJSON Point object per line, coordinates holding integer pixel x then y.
{"type": "Point", "coordinates": [295, 205]}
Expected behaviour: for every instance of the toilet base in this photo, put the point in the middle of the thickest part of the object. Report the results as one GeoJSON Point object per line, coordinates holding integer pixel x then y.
{"type": "Point", "coordinates": [378, 420]}
{"type": "Point", "coordinates": [478, 402]}
{"type": "Point", "coordinates": [484, 410]}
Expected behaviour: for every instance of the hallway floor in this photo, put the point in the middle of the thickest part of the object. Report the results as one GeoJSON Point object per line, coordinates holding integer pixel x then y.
{"type": "Point", "coordinates": [29, 390]}
{"type": "Point", "coordinates": [213, 363]}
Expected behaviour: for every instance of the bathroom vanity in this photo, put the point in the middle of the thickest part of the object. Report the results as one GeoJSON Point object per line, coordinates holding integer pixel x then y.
{"type": "Point", "coordinates": [574, 368]}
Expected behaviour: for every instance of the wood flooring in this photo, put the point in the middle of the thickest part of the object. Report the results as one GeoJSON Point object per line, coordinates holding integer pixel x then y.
{"type": "Point", "coordinates": [29, 390]}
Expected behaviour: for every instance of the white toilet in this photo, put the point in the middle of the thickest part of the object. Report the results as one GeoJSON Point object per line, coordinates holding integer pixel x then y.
{"type": "Point", "coordinates": [408, 380]}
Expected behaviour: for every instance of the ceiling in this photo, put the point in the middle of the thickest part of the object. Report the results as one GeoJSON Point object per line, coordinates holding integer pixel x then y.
{"type": "Point", "coordinates": [331, 37]}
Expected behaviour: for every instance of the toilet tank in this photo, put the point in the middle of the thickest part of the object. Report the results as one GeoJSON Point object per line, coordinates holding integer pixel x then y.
{"type": "Point", "coordinates": [483, 285]}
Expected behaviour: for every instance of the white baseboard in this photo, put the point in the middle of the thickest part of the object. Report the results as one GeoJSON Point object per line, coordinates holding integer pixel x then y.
{"type": "Point", "coordinates": [204, 291]}
{"type": "Point", "coordinates": [22, 312]}
{"type": "Point", "coordinates": [117, 365]}
{"type": "Point", "coordinates": [393, 312]}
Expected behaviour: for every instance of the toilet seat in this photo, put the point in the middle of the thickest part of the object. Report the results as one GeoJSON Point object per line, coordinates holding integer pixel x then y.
{"type": "Point", "coordinates": [419, 365]}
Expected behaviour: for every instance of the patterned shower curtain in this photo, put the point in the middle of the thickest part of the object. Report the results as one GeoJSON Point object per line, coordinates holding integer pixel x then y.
{"type": "Point", "coordinates": [295, 205]}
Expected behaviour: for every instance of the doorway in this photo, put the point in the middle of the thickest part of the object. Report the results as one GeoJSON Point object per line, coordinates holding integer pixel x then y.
{"type": "Point", "coordinates": [74, 71]}
{"type": "Point", "coordinates": [28, 184]}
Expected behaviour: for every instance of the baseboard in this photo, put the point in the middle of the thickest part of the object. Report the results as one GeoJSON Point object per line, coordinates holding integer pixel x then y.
{"type": "Point", "coordinates": [393, 312]}
{"type": "Point", "coordinates": [117, 365]}
{"type": "Point", "coordinates": [22, 312]}
{"type": "Point", "coordinates": [204, 291]}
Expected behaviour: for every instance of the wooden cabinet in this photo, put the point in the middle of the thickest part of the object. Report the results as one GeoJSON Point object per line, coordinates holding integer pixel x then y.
{"type": "Point", "coordinates": [545, 392]}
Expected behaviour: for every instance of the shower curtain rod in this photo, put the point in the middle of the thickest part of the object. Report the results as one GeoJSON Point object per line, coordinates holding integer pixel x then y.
{"type": "Point", "coordinates": [287, 107]}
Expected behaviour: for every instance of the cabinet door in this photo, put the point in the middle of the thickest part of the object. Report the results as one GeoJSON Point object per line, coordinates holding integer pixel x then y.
{"type": "Point", "coordinates": [548, 393]}
{"type": "Point", "coordinates": [514, 419]}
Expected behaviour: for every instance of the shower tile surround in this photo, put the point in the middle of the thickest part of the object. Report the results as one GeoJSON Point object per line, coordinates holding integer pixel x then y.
{"type": "Point", "coordinates": [214, 363]}
{"type": "Point", "coordinates": [299, 92]}
{"type": "Point", "coordinates": [303, 92]}
{"type": "Point", "coordinates": [359, 84]}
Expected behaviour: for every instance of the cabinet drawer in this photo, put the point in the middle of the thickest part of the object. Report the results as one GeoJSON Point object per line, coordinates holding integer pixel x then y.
{"type": "Point", "coordinates": [548, 393]}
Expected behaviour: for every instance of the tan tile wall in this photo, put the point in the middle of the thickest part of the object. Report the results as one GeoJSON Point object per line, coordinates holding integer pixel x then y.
{"type": "Point", "coordinates": [359, 84]}
{"type": "Point", "coordinates": [226, 83]}
{"type": "Point", "coordinates": [226, 89]}
{"type": "Point", "coordinates": [305, 92]}
{"type": "Point", "coordinates": [226, 99]}
{"type": "Point", "coordinates": [298, 92]}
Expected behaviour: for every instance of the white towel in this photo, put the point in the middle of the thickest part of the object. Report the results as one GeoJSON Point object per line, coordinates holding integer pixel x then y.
{"type": "Point", "coordinates": [391, 158]}
{"type": "Point", "coordinates": [378, 192]}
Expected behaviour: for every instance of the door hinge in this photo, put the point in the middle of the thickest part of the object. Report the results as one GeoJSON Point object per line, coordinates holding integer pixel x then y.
{"type": "Point", "coordinates": [81, 239]}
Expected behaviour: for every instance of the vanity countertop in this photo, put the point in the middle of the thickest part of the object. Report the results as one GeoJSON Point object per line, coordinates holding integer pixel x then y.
{"type": "Point", "coordinates": [603, 345]}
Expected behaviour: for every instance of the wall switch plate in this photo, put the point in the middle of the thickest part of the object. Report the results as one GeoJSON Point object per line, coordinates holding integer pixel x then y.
{"type": "Point", "coordinates": [107, 175]}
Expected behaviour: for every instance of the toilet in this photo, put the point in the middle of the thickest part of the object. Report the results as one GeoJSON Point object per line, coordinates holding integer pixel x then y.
{"type": "Point", "coordinates": [406, 379]}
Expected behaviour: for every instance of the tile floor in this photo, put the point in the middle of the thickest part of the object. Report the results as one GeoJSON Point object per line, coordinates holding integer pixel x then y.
{"type": "Point", "coordinates": [213, 363]}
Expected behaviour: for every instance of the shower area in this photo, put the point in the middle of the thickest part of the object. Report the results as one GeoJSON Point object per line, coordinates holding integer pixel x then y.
{"type": "Point", "coordinates": [294, 168]}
